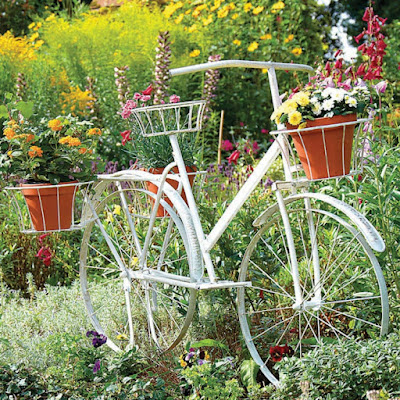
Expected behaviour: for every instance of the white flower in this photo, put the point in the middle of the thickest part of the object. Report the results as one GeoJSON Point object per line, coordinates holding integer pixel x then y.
{"type": "Point", "coordinates": [314, 100]}
{"type": "Point", "coordinates": [329, 115]}
{"type": "Point", "coordinates": [327, 92]}
{"type": "Point", "coordinates": [351, 101]}
{"type": "Point", "coordinates": [338, 95]}
{"type": "Point", "coordinates": [328, 104]}
{"type": "Point", "coordinates": [316, 108]}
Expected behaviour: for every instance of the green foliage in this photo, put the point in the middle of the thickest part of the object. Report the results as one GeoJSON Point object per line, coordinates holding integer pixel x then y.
{"type": "Point", "coordinates": [343, 371]}
{"type": "Point", "coordinates": [216, 380]}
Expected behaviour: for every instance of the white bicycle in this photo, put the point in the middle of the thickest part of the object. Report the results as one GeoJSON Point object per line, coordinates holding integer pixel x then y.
{"type": "Point", "coordinates": [309, 274]}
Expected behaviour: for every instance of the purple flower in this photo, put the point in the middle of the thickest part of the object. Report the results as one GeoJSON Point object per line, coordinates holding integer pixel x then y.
{"type": "Point", "coordinates": [174, 99]}
{"type": "Point", "coordinates": [96, 367]}
{"type": "Point", "coordinates": [380, 87]}
{"type": "Point", "coordinates": [98, 338]}
{"type": "Point", "coordinates": [200, 362]}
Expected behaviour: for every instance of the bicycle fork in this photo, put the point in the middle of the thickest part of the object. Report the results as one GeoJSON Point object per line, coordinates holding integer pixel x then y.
{"type": "Point", "coordinates": [301, 303]}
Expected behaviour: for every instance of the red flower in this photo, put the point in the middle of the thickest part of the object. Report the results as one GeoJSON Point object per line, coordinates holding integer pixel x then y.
{"type": "Point", "coordinates": [125, 137]}
{"type": "Point", "coordinates": [277, 352]}
{"type": "Point", "coordinates": [233, 158]}
{"type": "Point", "coordinates": [359, 37]}
{"type": "Point", "coordinates": [41, 237]}
{"type": "Point", "coordinates": [398, 66]}
{"type": "Point", "coordinates": [45, 255]}
{"type": "Point", "coordinates": [148, 91]}
{"type": "Point", "coordinates": [368, 14]}
{"type": "Point", "coordinates": [226, 145]}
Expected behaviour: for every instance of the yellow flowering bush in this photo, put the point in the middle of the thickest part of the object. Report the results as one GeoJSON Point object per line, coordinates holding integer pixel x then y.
{"type": "Point", "coordinates": [56, 150]}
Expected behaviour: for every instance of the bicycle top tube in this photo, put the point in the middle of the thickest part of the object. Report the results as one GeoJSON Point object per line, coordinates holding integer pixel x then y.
{"type": "Point", "coordinates": [241, 64]}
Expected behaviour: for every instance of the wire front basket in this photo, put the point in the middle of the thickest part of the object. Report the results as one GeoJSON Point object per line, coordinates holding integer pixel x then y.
{"type": "Point", "coordinates": [168, 119]}
{"type": "Point", "coordinates": [326, 151]}
{"type": "Point", "coordinates": [49, 208]}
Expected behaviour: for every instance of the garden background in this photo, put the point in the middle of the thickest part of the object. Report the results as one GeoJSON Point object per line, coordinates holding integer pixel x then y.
{"type": "Point", "coordinates": [68, 58]}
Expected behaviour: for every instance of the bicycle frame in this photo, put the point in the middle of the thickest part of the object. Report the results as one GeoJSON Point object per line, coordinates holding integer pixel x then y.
{"type": "Point", "coordinates": [207, 243]}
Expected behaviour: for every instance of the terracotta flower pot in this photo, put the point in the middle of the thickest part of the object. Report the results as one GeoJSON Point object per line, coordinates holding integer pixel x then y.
{"type": "Point", "coordinates": [325, 155]}
{"type": "Point", "coordinates": [154, 189]}
{"type": "Point", "coordinates": [50, 207]}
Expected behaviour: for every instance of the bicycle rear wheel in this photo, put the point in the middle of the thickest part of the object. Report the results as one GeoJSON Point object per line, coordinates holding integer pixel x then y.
{"type": "Point", "coordinates": [347, 300]}
{"type": "Point", "coordinates": [135, 311]}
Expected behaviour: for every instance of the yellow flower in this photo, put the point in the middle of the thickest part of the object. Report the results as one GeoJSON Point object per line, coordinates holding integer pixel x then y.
{"type": "Point", "coordinates": [64, 140]}
{"type": "Point", "coordinates": [30, 26]}
{"type": "Point", "coordinates": [267, 36]}
{"type": "Point", "coordinates": [302, 98]}
{"type": "Point", "coordinates": [223, 12]}
{"type": "Point", "coordinates": [231, 6]}
{"type": "Point", "coordinates": [234, 16]}
{"type": "Point", "coordinates": [253, 46]}
{"type": "Point", "coordinates": [94, 131]}
{"type": "Point", "coordinates": [9, 153]}
{"type": "Point", "coordinates": [122, 336]}
{"type": "Point", "coordinates": [74, 142]}
{"type": "Point", "coordinates": [247, 7]}
{"type": "Point", "coordinates": [192, 28]}
{"type": "Point", "coordinates": [257, 10]}
{"type": "Point", "coordinates": [195, 13]}
{"type": "Point", "coordinates": [289, 39]}
{"type": "Point", "coordinates": [38, 26]}
{"type": "Point", "coordinates": [194, 53]}
{"type": "Point", "coordinates": [294, 118]}
{"type": "Point", "coordinates": [17, 49]}
{"type": "Point", "coordinates": [297, 51]}
{"type": "Point", "coordinates": [38, 44]}
{"type": "Point", "coordinates": [237, 42]}
{"type": "Point", "coordinates": [206, 355]}
{"type": "Point", "coordinates": [179, 19]}
{"type": "Point", "coordinates": [264, 70]}
{"type": "Point", "coordinates": [208, 20]}
{"type": "Point", "coordinates": [55, 125]}
{"type": "Point", "coordinates": [50, 18]}
{"type": "Point", "coordinates": [183, 363]}
{"type": "Point", "coordinates": [9, 133]}
{"type": "Point", "coordinates": [302, 125]}
{"type": "Point", "coordinates": [117, 210]}
{"type": "Point", "coordinates": [277, 7]}
{"type": "Point", "coordinates": [216, 5]}
{"type": "Point", "coordinates": [35, 151]}
{"type": "Point", "coordinates": [34, 37]}
{"type": "Point", "coordinates": [289, 106]}
{"type": "Point", "coordinates": [171, 8]}
{"type": "Point", "coordinates": [109, 218]}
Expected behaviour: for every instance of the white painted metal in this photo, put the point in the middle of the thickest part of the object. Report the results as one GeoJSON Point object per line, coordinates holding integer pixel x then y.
{"type": "Point", "coordinates": [366, 228]}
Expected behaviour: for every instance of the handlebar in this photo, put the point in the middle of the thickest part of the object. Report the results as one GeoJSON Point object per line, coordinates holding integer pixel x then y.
{"type": "Point", "coordinates": [241, 63]}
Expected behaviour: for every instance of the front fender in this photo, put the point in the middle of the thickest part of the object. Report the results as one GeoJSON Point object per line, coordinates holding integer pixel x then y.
{"type": "Point", "coordinates": [370, 234]}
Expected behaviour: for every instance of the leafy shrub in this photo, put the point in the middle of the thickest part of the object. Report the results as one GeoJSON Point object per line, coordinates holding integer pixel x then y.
{"type": "Point", "coordinates": [344, 371]}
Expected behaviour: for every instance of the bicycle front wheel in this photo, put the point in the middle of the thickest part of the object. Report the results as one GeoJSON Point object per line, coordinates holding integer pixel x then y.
{"type": "Point", "coordinates": [341, 283]}
{"type": "Point", "coordinates": [127, 310]}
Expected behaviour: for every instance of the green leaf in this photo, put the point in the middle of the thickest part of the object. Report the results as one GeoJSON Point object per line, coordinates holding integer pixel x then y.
{"type": "Point", "coordinates": [248, 372]}
{"type": "Point", "coordinates": [3, 111]}
{"type": "Point", "coordinates": [209, 343]}
{"type": "Point", "coordinates": [26, 108]}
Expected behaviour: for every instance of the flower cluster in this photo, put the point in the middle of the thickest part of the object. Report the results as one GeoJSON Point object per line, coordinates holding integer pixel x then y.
{"type": "Point", "coordinates": [212, 77]}
{"type": "Point", "coordinates": [44, 254]}
{"type": "Point", "coordinates": [121, 80]}
{"type": "Point", "coordinates": [374, 48]}
{"type": "Point", "coordinates": [322, 98]}
{"type": "Point", "coordinates": [278, 352]}
{"type": "Point", "coordinates": [98, 338]}
{"type": "Point", "coordinates": [245, 147]}
{"type": "Point", "coordinates": [161, 72]}
{"type": "Point", "coordinates": [56, 150]}
{"type": "Point", "coordinates": [194, 356]}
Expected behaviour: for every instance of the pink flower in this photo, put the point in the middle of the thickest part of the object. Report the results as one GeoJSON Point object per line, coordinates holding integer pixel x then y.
{"type": "Point", "coordinates": [256, 147]}
{"type": "Point", "coordinates": [226, 145]}
{"type": "Point", "coordinates": [145, 98]}
{"type": "Point", "coordinates": [126, 112]}
{"type": "Point", "coordinates": [368, 14]}
{"type": "Point", "coordinates": [174, 99]}
{"type": "Point", "coordinates": [130, 104]}
{"type": "Point", "coordinates": [148, 91]}
{"type": "Point", "coordinates": [126, 137]}
{"type": "Point", "coordinates": [241, 124]}
{"type": "Point", "coordinates": [233, 158]}
{"type": "Point", "coordinates": [265, 131]}
{"type": "Point", "coordinates": [137, 96]}
{"type": "Point", "coordinates": [359, 36]}
{"type": "Point", "coordinates": [42, 237]}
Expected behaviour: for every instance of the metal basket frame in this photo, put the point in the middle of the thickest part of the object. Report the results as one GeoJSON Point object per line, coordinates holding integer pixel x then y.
{"type": "Point", "coordinates": [155, 121]}
{"type": "Point", "coordinates": [18, 201]}
{"type": "Point", "coordinates": [291, 158]}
